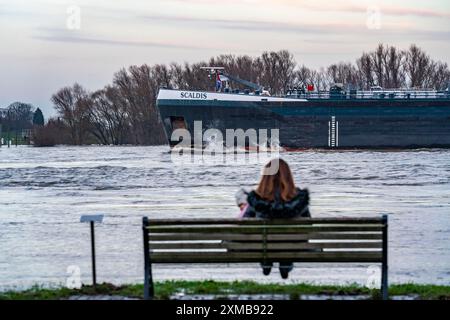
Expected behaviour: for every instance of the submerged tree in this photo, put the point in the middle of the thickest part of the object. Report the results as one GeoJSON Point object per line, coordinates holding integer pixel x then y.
{"type": "Point", "coordinates": [72, 104]}
{"type": "Point", "coordinates": [52, 133]}
{"type": "Point", "coordinates": [108, 116]}
{"type": "Point", "coordinates": [139, 88]}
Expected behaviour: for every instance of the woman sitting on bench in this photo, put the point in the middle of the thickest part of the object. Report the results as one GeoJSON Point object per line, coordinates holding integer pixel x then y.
{"type": "Point", "coordinates": [276, 197]}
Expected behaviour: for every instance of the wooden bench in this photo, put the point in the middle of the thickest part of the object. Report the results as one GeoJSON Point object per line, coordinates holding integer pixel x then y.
{"type": "Point", "coordinates": [318, 240]}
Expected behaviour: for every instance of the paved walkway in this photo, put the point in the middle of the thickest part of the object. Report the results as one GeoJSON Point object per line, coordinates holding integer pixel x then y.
{"type": "Point", "coordinates": [245, 297]}
{"type": "Point", "coordinates": [100, 297]}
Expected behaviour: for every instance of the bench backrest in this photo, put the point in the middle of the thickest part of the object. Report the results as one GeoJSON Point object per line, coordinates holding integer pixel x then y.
{"type": "Point", "coordinates": [257, 240]}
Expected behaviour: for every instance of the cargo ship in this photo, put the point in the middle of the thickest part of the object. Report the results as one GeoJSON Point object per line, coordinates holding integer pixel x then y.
{"type": "Point", "coordinates": [339, 118]}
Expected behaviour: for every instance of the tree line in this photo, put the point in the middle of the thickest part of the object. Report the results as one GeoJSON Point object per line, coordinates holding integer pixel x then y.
{"type": "Point", "coordinates": [18, 120]}
{"type": "Point", "coordinates": [124, 112]}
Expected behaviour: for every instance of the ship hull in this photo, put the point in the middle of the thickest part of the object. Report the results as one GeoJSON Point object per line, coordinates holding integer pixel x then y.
{"type": "Point", "coordinates": [322, 123]}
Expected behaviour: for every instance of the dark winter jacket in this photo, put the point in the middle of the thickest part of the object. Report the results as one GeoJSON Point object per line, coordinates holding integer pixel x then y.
{"type": "Point", "coordinates": [278, 209]}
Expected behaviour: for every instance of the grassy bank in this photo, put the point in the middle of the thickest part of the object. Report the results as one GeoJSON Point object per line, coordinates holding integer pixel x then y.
{"type": "Point", "coordinates": [165, 289]}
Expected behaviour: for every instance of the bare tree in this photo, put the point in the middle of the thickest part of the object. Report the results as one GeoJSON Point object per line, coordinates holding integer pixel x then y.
{"type": "Point", "coordinates": [98, 117]}
{"type": "Point", "coordinates": [276, 70]}
{"type": "Point", "coordinates": [285, 69]}
{"type": "Point", "coordinates": [394, 61]}
{"type": "Point", "coordinates": [301, 77]}
{"type": "Point", "coordinates": [378, 57]}
{"type": "Point", "coordinates": [161, 75]}
{"type": "Point", "coordinates": [345, 73]}
{"type": "Point", "coordinates": [119, 115]}
{"type": "Point", "coordinates": [71, 104]}
{"type": "Point", "coordinates": [438, 76]}
{"type": "Point", "coordinates": [366, 71]}
{"type": "Point", "coordinates": [108, 116]}
{"type": "Point", "coordinates": [177, 76]}
{"type": "Point", "coordinates": [320, 79]}
{"type": "Point", "coordinates": [139, 88]}
{"type": "Point", "coordinates": [416, 67]}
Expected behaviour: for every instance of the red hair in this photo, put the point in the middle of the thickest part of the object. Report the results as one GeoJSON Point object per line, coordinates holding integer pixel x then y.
{"type": "Point", "coordinates": [281, 181]}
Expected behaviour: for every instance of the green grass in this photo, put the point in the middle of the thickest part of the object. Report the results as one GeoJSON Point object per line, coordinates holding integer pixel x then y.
{"type": "Point", "coordinates": [165, 289]}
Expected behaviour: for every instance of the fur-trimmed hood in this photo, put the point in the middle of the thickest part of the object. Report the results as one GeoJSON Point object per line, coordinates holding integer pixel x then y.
{"type": "Point", "coordinates": [260, 208]}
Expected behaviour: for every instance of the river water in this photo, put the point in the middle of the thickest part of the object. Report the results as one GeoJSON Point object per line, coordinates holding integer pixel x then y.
{"type": "Point", "coordinates": [43, 192]}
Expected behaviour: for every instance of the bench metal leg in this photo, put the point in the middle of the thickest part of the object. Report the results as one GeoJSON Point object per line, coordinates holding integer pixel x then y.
{"type": "Point", "coordinates": [149, 292]}
{"type": "Point", "coordinates": [384, 267]}
{"type": "Point", "coordinates": [148, 278]}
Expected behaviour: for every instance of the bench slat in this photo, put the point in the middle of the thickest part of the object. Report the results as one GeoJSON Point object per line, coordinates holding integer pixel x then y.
{"type": "Point", "coordinates": [260, 246]}
{"type": "Point", "coordinates": [270, 237]}
{"type": "Point", "coordinates": [234, 257]}
{"type": "Point", "coordinates": [253, 221]}
{"type": "Point", "coordinates": [285, 229]}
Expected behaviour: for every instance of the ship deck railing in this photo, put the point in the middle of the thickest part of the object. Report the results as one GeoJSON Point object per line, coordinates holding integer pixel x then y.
{"type": "Point", "coordinates": [386, 94]}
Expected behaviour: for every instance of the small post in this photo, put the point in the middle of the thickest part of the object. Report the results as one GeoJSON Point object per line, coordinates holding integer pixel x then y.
{"type": "Point", "coordinates": [94, 275]}
{"type": "Point", "coordinates": [92, 219]}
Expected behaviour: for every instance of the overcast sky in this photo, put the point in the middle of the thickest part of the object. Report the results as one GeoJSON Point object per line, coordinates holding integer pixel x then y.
{"type": "Point", "coordinates": [46, 45]}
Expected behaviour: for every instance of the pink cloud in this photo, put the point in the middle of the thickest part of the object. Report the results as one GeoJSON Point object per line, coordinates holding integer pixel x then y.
{"type": "Point", "coordinates": [319, 5]}
{"type": "Point", "coordinates": [341, 6]}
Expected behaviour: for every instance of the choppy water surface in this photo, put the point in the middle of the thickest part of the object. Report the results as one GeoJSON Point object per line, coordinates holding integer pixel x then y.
{"type": "Point", "coordinates": [43, 192]}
